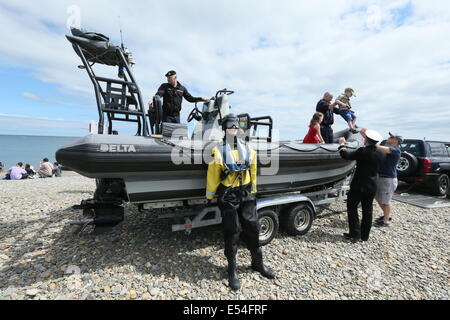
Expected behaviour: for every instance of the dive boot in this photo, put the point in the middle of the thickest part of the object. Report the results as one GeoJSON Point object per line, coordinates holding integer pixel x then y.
{"type": "Point", "coordinates": [258, 265]}
{"type": "Point", "coordinates": [233, 279]}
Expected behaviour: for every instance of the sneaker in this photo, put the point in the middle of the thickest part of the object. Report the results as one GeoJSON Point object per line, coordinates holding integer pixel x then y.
{"type": "Point", "coordinates": [354, 131]}
{"type": "Point", "coordinates": [382, 224]}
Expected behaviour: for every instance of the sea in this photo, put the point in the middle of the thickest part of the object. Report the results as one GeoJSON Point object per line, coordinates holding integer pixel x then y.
{"type": "Point", "coordinates": [30, 149]}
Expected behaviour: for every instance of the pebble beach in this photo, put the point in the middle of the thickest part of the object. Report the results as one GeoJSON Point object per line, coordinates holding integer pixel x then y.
{"type": "Point", "coordinates": [41, 257]}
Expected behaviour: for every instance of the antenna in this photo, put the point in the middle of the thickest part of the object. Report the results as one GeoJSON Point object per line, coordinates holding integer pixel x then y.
{"type": "Point", "coordinates": [121, 35]}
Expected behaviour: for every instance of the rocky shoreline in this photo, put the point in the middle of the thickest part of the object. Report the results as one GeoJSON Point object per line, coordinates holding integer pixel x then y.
{"type": "Point", "coordinates": [41, 257]}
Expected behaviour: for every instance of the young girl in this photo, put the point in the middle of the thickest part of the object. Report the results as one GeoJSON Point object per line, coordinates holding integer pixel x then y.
{"type": "Point", "coordinates": [313, 135]}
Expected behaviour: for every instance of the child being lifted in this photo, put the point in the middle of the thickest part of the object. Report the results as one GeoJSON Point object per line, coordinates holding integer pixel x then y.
{"type": "Point", "coordinates": [345, 108]}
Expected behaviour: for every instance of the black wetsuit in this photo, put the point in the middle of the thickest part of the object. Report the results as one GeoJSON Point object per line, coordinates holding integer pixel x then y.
{"type": "Point", "coordinates": [238, 208]}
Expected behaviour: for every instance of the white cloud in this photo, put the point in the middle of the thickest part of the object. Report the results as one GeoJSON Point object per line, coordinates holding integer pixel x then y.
{"type": "Point", "coordinates": [279, 57]}
{"type": "Point", "coordinates": [34, 97]}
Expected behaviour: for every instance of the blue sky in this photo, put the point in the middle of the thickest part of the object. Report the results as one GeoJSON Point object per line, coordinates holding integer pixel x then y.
{"type": "Point", "coordinates": [279, 57]}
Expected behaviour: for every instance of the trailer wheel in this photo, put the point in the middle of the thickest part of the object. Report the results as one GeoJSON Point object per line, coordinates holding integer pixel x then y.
{"type": "Point", "coordinates": [298, 219]}
{"type": "Point", "coordinates": [268, 226]}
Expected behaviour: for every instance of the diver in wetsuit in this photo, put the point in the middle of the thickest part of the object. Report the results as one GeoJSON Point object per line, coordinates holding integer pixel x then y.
{"type": "Point", "coordinates": [232, 176]}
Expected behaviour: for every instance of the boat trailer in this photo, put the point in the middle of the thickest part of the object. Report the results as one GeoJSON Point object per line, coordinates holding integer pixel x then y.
{"type": "Point", "coordinates": [293, 212]}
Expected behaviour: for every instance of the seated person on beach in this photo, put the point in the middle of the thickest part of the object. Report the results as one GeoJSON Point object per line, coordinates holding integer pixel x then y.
{"type": "Point", "coordinates": [16, 173]}
{"type": "Point", "coordinates": [30, 171]}
{"type": "Point", "coordinates": [56, 169]}
{"type": "Point", "coordinates": [1, 166]}
{"type": "Point", "coordinates": [345, 108]}
{"type": "Point", "coordinates": [46, 169]}
{"type": "Point", "coordinates": [313, 135]}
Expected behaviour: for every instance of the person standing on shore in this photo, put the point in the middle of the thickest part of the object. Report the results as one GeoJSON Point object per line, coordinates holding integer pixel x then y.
{"type": "Point", "coordinates": [232, 176]}
{"type": "Point", "coordinates": [328, 110]}
{"type": "Point", "coordinates": [387, 181]}
{"type": "Point", "coordinates": [363, 186]}
{"type": "Point", "coordinates": [46, 169]}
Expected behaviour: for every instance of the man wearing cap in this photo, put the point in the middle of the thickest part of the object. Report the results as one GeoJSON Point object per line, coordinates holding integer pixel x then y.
{"type": "Point", "coordinates": [363, 187]}
{"type": "Point", "coordinates": [387, 177]}
{"type": "Point", "coordinates": [328, 109]}
{"type": "Point", "coordinates": [173, 93]}
{"type": "Point", "coordinates": [232, 176]}
{"type": "Point", "coordinates": [345, 108]}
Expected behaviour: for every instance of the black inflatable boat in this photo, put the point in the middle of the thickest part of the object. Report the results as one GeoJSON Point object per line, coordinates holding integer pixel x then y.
{"type": "Point", "coordinates": [170, 165]}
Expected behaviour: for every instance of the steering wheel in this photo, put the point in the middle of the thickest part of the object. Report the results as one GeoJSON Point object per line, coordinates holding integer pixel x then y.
{"type": "Point", "coordinates": [195, 114]}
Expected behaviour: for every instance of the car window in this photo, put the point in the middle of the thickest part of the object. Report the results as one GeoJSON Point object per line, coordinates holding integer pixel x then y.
{"type": "Point", "coordinates": [413, 147]}
{"type": "Point", "coordinates": [438, 149]}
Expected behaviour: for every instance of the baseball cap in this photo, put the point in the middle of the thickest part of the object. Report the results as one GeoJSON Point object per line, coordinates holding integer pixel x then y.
{"type": "Point", "coordinates": [373, 135]}
{"type": "Point", "coordinates": [399, 138]}
{"type": "Point", "coordinates": [350, 90]}
{"type": "Point", "coordinates": [170, 73]}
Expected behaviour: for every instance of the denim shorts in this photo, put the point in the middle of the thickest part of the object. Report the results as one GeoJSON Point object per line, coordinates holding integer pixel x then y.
{"type": "Point", "coordinates": [347, 115]}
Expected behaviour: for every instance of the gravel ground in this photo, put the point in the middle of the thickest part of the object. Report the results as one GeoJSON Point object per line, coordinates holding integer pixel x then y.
{"type": "Point", "coordinates": [41, 257]}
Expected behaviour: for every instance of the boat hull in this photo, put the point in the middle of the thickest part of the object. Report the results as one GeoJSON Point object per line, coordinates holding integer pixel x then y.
{"type": "Point", "coordinates": [158, 169]}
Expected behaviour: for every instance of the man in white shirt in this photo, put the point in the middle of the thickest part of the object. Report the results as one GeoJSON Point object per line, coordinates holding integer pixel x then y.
{"type": "Point", "coordinates": [46, 169]}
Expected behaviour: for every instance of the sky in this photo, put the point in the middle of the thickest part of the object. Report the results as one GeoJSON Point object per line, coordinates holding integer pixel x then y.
{"type": "Point", "coordinates": [278, 56]}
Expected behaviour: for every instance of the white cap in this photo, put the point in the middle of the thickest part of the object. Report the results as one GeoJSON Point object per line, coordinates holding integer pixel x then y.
{"type": "Point", "coordinates": [373, 135]}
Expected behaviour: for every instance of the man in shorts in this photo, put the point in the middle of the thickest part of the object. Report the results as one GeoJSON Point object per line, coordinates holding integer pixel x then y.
{"type": "Point", "coordinates": [387, 178]}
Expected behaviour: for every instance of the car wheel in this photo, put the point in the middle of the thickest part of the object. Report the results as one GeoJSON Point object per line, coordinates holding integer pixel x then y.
{"type": "Point", "coordinates": [407, 164]}
{"type": "Point", "coordinates": [442, 185]}
{"type": "Point", "coordinates": [298, 219]}
{"type": "Point", "coordinates": [268, 226]}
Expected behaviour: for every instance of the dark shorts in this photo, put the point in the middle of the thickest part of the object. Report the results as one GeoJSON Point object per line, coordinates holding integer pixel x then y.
{"type": "Point", "coordinates": [347, 115]}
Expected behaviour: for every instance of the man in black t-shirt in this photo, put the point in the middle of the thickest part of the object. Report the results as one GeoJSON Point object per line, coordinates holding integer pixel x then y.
{"type": "Point", "coordinates": [328, 109]}
{"type": "Point", "coordinates": [173, 93]}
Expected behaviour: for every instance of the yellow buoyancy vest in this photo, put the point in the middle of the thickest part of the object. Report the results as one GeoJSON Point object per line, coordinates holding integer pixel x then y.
{"type": "Point", "coordinates": [217, 167]}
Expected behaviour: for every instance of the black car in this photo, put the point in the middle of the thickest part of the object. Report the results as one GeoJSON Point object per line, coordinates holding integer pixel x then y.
{"type": "Point", "coordinates": [427, 163]}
